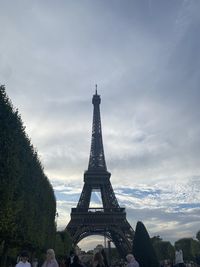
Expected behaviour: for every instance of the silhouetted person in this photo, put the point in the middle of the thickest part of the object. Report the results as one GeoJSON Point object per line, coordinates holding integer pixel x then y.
{"type": "Point", "coordinates": [23, 262]}
{"type": "Point", "coordinates": [179, 258]}
{"type": "Point", "coordinates": [35, 263]}
{"type": "Point", "coordinates": [104, 258]}
{"type": "Point", "coordinates": [50, 259]}
{"type": "Point", "coordinates": [132, 261]}
{"type": "Point", "coordinates": [98, 260]}
{"type": "Point", "coordinates": [62, 263]}
{"type": "Point", "coordinates": [76, 262]}
{"type": "Point", "coordinates": [70, 259]}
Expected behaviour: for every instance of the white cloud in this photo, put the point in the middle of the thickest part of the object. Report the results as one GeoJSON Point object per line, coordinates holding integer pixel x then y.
{"type": "Point", "coordinates": [169, 210]}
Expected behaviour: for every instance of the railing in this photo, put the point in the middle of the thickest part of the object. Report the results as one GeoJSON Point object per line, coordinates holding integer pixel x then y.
{"type": "Point", "coordinates": [98, 210]}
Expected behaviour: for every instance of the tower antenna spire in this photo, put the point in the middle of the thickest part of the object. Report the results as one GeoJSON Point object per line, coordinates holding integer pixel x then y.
{"type": "Point", "coordinates": [96, 89]}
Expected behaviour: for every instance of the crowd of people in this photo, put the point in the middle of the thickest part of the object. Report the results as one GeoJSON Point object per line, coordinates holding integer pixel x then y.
{"type": "Point", "coordinates": [179, 262]}
{"type": "Point", "coordinates": [99, 260]}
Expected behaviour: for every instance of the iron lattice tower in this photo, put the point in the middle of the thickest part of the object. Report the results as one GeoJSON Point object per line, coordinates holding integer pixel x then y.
{"type": "Point", "coordinates": [109, 221]}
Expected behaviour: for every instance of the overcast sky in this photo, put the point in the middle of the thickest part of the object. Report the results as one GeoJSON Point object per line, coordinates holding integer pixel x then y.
{"type": "Point", "coordinates": [145, 57]}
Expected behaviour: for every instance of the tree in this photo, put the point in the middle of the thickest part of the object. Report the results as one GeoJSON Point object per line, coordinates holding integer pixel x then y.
{"type": "Point", "coordinates": [156, 239]}
{"type": "Point", "coordinates": [142, 247]}
{"type": "Point", "coordinates": [164, 249]}
{"type": "Point", "coordinates": [63, 244]}
{"type": "Point", "coordinates": [198, 235]}
{"type": "Point", "coordinates": [28, 204]}
{"type": "Point", "coordinates": [190, 248]}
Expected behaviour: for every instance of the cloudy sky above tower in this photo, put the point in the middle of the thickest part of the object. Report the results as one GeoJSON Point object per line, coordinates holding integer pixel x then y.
{"type": "Point", "coordinates": [145, 57]}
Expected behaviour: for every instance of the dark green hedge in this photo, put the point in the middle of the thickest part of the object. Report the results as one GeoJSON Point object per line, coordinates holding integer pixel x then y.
{"type": "Point", "coordinates": [27, 201]}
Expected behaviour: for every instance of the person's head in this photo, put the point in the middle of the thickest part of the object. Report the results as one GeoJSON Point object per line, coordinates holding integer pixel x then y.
{"type": "Point", "coordinates": [98, 258]}
{"type": "Point", "coordinates": [103, 252]}
{"type": "Point", "coordinates": [50, 254]}
{"type": "Point", "coordinates": [24, 256]}
{"type": "Point", "coordinates": [76, 259]}
{"type": "Point", "coordinates": [130, 257]}
{"type": "Point", "coordinates": [71, 253]}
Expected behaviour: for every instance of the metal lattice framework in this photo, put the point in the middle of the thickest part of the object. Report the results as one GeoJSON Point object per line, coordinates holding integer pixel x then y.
{"type": "Point", "coordinates": [109, 221]}
{"type": "Point", "coordinates": [97, 158]}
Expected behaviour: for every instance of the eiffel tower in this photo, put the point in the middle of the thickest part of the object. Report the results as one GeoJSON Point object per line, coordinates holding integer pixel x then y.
{"type": "Point", "coordinates": [109, 221]}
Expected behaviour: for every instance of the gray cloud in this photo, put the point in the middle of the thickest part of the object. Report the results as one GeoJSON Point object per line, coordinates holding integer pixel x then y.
{"type": "Point", "coordinates": [145, 57]}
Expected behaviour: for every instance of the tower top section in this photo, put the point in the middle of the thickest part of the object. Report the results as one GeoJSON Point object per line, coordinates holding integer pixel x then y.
{"type": "Point", "coordinates": [96, 100]}
{"type": "Point", "coordinates": [97, 159]}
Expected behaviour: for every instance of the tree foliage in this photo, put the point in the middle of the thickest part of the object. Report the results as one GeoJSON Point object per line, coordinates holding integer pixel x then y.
{"type": "Point", "coordinates": [198, 235]}
{"type": "Point", "coordinates": [28, 204]}
{"type": "Point", "coordinates": [190, 248]}
{"type": "Point", "coordinates": [63, 244]}
{"type": "Point", "coordinates": [164, 249]}
{"type": "Point", "coordinates": [142, 247]}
